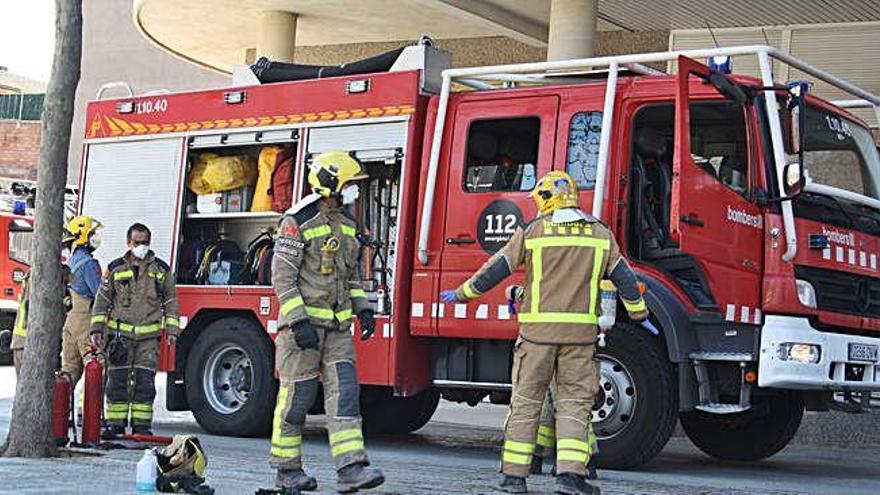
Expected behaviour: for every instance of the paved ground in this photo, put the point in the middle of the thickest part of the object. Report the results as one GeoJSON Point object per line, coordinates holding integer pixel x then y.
{"type": "Point", "coordinates": [456, 453]}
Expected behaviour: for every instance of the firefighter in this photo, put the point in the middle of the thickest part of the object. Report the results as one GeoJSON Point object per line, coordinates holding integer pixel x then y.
{"type": "Point", "coordinates": [81, 239]}
{"type": "Point", "coordinates": [315, 275]}
{"type": "Point", "coordinates": [137, 301]}
{"type": "Point", "coordinates": [19, 328]}
{"type": "Point", "coordinates": [566, 253]}
{"type": "Point", "coordinates": [545, 446]}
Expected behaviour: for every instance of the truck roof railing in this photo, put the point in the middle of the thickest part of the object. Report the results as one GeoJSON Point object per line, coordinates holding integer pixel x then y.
{"type": "Point", "coordinates": [479, 78]}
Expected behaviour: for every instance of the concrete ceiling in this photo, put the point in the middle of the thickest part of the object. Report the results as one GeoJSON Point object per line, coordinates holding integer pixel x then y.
{"type": "Point", "coordinates": [216, 33]}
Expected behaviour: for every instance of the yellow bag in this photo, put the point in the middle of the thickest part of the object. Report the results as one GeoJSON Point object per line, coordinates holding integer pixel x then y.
{"type": "Point", "coordinates": [270, 156]}
{"type": "Point", "coordinates": [213, 173]}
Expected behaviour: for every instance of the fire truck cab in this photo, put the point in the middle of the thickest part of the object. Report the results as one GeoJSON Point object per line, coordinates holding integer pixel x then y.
{"type": "Point", "coordinates": [749, 209]}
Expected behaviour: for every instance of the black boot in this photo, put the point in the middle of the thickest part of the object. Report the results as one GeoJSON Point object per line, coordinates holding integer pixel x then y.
{"type": "Point", "coordinates": [358, 476]}
{"type": "Point", "coordinates": [591, 469]}
{"type": "Point", "coordinates": [295, 478]}
{"type": "Point", "coordinates": [572, 484]}
{"type": "Point", "coordinates": [512, 484]}
{"type": "Point", "coordinates": [537, 465]}
{"type": "Point", "coordinates": [113, 432]}
{"type": "Point", "coordinates": [141, 430]}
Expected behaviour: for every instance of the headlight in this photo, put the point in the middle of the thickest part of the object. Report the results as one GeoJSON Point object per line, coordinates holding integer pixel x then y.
{"type": "Point", "coordinates": [806, 293]}
{"type": "Point", "coordinates": [800, 353]}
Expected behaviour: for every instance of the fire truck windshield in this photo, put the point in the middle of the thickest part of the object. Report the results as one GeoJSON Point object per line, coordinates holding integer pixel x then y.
{"type": "Point", "coordinates": [841, 153]}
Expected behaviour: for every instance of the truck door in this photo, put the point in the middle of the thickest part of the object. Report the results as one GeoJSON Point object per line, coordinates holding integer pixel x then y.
{"type": "Point", "coordinates": [499, 150]}
{"type": "Point", "coordinates": [712, 217]}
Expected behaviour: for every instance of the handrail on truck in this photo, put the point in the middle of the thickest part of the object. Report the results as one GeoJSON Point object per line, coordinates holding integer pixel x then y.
{"type": "Point", "coordinates": [515, 72]}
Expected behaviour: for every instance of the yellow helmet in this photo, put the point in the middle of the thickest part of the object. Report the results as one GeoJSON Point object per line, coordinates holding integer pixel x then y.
{"type": "Point", "coordinates": [554, 191]}
{"type": "Point", "coordinates": [179, 462]}
{"type": "Point", "coordinates": [80, 230]}
{"type": "Point", "coordinates": [332, 170]}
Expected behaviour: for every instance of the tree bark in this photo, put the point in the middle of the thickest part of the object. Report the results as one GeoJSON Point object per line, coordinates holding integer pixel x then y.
{"type": "Point", "coordinates": [30, 430]}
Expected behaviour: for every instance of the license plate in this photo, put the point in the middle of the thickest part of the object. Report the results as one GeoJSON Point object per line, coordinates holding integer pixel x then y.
{"type": "Point", "coordinates": [863, 352]}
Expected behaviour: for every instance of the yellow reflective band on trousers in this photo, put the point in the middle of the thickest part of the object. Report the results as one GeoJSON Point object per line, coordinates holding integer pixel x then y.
{"type": "Point", "coordinates": [537, 247]}
{"type": "Point", "coordinates": [291, 304]}
{"type": "Point", "coordinates": [285, 447]}
{"type": "Point", "coordinates": [349, 231]}
{"type": "Point", "coordinates": [570, 449]}
{"type": "Point", "coordinates": [116, 412]}
{"type": "Point", "coordinates": [123, 275]}
{"type": "Point", "coordinates": [546, 437]}
{"type": "Point", "coordinates": [469, 291]}
{"type": "Point", "coordinates": [136, 329]}
{"type": "Point", "coordinates": [172, 322]}
{"type": "Point", "coordinates": [328, 314]}
{"type": "Point", "coordinates": [517, 452]}
{"type": "Point", "coordinates": [140, 410]}
{"type": "Point", "coordinates": [634, 307]}
{"type": "Point", "coordinates": [345, 441]}
{"type": "Point", "coordinates": [99, 319]}
{"type": "Point", "coordinates": [310, 234]}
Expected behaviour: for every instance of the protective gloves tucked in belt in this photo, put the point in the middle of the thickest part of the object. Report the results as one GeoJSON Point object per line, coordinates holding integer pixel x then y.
{"type": "Point", "coordinates": [305, 334]}
{"type": "Point", "coordinates": [368, 323]}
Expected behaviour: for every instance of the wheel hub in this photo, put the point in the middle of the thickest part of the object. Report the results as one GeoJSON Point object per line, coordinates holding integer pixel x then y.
{"type": "Point", "coordinates": [616, 399]}
{"type": "Point", "coordinates": [227, 378]}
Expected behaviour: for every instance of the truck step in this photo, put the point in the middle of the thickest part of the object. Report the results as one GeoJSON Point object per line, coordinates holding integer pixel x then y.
{"type": "Point", "coordinates": [722, 408]}
{"type": "Point", "coordinates": [721, 356]}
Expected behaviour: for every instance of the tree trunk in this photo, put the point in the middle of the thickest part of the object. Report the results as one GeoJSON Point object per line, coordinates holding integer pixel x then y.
{"type": "Point", "coordinates": [30, 430]}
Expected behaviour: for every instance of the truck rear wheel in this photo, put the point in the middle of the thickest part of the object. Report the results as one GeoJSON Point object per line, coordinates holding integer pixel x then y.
{"type": "Point", "coordinates": [229, 379]}
{"type": "Point", "coordinates": [637, 405]}
{"type": "Point", "coordinates": [758, 433]}
{"type": "Point", "coordinates": [385, 413]}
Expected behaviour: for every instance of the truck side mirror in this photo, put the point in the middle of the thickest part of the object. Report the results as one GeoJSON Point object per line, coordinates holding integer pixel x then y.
{"type": "Point", "coordinates": [797, 117]}
{"type": "Point", "coordinates": [795, 180]}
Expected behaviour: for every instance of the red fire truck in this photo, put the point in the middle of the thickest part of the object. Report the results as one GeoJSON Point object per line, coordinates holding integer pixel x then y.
{"type": "Point", "coordinates": [16, 234]}
{"type": "Point", "coordinates": [750, 210]}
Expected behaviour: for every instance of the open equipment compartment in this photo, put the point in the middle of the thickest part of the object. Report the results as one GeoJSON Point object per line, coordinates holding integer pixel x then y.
{"type": "Point", "coordinates": [226, 239]}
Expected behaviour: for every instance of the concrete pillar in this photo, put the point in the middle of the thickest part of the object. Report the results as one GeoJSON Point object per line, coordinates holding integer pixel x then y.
{"type": "Point", "coordinates": [572, 29]}
{"type": "Point", "coordinates": [277, 35]}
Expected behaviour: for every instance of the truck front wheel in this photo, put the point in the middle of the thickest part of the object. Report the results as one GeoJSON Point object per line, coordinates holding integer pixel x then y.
{"type": "Point", "coordinates": [635, 410]}
{"type": "Point", "coordinates": [385, 413]}
{"type": "Point", "coordinates": [229, 382]}
{"type": "Point", "coordinates": [758, 433]}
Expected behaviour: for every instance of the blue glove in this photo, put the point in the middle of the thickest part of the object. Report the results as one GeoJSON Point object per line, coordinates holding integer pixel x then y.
{"type": "Point", "coordinates": [448, 296]}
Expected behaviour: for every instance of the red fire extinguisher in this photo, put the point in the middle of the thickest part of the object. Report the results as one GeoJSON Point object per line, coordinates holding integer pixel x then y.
{"type": "Point", "coordinates": [61, 401]}
{"type": "Point", "coordinates": [93, 401]}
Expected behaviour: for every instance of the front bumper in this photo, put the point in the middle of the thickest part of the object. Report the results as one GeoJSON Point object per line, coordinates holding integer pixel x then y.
{"type": "Point", "coordinates": [830, 373]}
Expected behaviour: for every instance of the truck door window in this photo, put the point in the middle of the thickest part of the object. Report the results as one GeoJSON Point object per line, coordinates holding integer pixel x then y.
{"type": "Point", "coordinates": [502, 155]}
{"type": "Point", "coordinates": [583, 148]}
{"type": "Point", "coordinates": [718, 142]}
{"type": "Point", "coordinates": [21, 236]}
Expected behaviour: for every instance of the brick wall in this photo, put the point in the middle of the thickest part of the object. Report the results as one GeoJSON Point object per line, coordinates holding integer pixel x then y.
{"type": "Point", "coordinates": [19, 149]}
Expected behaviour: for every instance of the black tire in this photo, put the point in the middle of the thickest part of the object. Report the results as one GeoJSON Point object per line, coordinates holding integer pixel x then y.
{"type": "Point", "coordinates": [655, 411]}
{"type": "Point", "coordinates": [7, 321]}
{"type": "Point", "coordinates": [241, 340]}
{"type": "Point", "coordinates": [384, 413]}
{"type": "Point", "coordinates": [756, 434]}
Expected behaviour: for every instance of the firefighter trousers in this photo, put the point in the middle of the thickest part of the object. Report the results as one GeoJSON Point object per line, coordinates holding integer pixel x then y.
{"type": "Point", "coordinates": [545, 446]}
{"type": "Point", "coordinates": [298, 370]}
{"type": "Point", "coordinates": [131, 385]}
{"type": "Point", "coordinates": [75, 342]}
{"type": "Point", "coordinates": [534, 367]}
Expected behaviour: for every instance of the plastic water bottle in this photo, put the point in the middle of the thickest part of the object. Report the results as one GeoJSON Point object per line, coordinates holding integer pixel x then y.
{"type": "Point", "coordinates": [607, 305]}
{"type": "Point", "coordinates": [146, 472]}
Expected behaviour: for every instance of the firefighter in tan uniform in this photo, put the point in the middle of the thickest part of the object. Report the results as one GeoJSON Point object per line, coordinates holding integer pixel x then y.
{"type": "Point", "coordinates": [316, 277]}
{"type": "Point", "coordinates": [138, 299]}
{"type": "Point", "coordinates": [19, 329]}
{"type": "Point", "coordinates": [81, 239]}
{"type": "Point", "coordinates": [566, 253]}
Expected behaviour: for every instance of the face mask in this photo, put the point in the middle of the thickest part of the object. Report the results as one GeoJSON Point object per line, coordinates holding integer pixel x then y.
{"type": "Point", "coordinates": [65, 254]}
{"type": "Point", "coordinates": [140, 251]}
{"type": "Point", "coordinates": [350, 194]}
